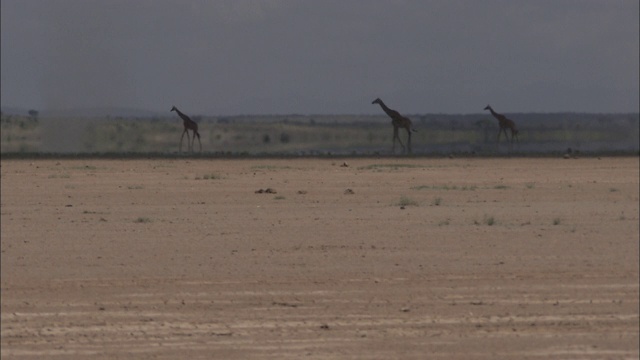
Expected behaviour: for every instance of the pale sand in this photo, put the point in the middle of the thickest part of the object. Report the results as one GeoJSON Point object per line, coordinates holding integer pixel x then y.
{"type": "Point", "coordinates": [181, 259]}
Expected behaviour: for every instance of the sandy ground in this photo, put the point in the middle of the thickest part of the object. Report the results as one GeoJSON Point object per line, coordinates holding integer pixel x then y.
{"type": "Point", "coordinates": [386, 258]}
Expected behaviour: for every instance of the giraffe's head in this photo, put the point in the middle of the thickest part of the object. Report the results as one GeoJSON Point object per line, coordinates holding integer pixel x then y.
{"type": "Point", "coordinates": [377, 101]}
{"type": "Point", "coordinates": [173, 108]}
{"type": "Point", "coordinates": [487, 107]}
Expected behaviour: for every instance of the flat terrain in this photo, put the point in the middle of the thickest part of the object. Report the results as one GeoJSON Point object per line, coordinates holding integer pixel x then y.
{"type": "Point", "coordinates": [389, 258]}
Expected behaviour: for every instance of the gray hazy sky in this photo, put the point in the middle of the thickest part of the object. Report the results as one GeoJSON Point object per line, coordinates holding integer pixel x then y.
{"type": "Point", "coordinates": [229, 57]}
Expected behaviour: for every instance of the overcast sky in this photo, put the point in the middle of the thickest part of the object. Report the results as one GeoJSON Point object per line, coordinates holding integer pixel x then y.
{"type": "Point", "coordinates": [229, 57]}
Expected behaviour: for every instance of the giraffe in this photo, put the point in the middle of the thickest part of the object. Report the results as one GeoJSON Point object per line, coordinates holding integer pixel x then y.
{"type": "Point", "coordinates": [504, 125]}
{"type": "Point", "coordinates": [188, 125]}
{"type": "Point", "coordinates": [398, 121]}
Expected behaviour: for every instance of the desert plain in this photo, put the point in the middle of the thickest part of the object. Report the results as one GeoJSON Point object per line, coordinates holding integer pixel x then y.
{"type": "Point", "coordinates": [320, 258]}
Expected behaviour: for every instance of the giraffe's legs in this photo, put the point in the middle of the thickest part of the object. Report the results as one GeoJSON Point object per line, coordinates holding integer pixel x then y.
{"type": "Point", "coordinates": [395, 136]}
{"type": "Point", "coordinates": [502, 130]}
{"type": "Point", "coordinates": [182, 137]}
{"type": "Point", "coordinates": [193, 141]}
{"type": "Point", "coordinates": [393, 146]}
{"type": "Point", "coordinates": [409, 140]}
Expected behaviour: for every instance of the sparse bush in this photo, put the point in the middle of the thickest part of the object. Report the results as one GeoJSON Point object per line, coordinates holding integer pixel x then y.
{"type": "Point", "coordinates": [212, 177]}
{"type": "Point", "coordinates": [388, 166]}
{"type": "Point", "coordinates": [489, 220]}
{"type": "Point", "coordinates": [405, 201]}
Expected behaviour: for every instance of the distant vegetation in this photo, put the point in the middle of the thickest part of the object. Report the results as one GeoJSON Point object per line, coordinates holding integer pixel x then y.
{"type": "Point", "coordinates": [319, 135]}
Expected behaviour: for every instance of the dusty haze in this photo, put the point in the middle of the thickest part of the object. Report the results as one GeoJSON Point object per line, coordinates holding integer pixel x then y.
{"type": "Point", "coordinates": [321, 57]}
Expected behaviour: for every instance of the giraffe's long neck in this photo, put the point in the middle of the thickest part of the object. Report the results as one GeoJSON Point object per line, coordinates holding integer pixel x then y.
{"type": "Point", "coordinates": [182, 115]}
{"type": "Point", "coordinates": [385, 109]}
{"type": "Point", "coordinates": [498, 117]}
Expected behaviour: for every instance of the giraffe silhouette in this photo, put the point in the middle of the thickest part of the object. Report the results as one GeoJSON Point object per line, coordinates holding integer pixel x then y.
{"type": "Point", "coordinates": [398, 121]}
{"type": "Point", "coordinates": [188, 125]}
{"type": "Point", "coordinates": [505, 124]}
